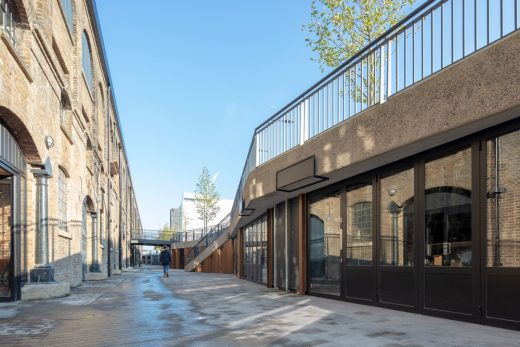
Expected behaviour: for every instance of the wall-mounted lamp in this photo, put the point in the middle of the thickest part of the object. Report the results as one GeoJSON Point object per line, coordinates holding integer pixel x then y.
{"type": "Point", "coordinates": [392, 191]}
{"type": "Point", "coordinates": [49, 142]}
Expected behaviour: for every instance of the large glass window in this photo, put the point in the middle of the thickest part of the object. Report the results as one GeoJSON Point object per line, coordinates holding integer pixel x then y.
{"type": "Point", "coordinates": [396, 213]}
{"type": "Point", "coordinates": [359, 226]}
{"type": "Point", "coordinates": [66, 5]}
{"type": "Point", "coordinates": [325, 244]}
{"type": "Point", "coordinates": [503, 201]}
{"type": "Point", "coordinates": [62, 200]}
{"type": "Point", "coordinates": [86, 59]}
{"type": "Point", "coordinates": [255, 253]}
{"type": "Point", "coordinates": [448, 210]}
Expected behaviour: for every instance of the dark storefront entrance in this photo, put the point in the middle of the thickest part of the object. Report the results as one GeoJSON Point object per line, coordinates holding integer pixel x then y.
{"type": "Point", "coordinates": [6, 238]}
{"type": "Point", "coordinates": [255, 251]}
{"type": "Point", "coordinates": [437, 234]}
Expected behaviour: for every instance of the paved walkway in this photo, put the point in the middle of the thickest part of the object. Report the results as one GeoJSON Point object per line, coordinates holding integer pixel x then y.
{"type": "Point", "coordinates": [139, 308]}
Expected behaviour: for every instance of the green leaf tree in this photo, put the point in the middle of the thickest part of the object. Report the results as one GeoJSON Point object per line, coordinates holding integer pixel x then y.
{"type": "Point", "coordinates": [206, 198]}
{"type": "Point", "coordinates": [338, 29]}
{"type": "Point", "coordinates": [165, 233]}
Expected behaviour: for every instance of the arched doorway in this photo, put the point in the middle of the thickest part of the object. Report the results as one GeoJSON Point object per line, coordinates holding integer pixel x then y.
{"type": "Point", "coordinates": [13, 257]}
{"type": "Point", "coordinates": [88, 236]}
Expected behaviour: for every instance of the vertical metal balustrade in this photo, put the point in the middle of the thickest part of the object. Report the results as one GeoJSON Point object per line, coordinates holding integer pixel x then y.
{"type": "Point", "coordinates": [431, 38]}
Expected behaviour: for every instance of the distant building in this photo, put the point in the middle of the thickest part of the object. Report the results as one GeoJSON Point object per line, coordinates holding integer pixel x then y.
{"type": "Point", "coordinates": [175, 218]}
{"type": "Point", "coordinates": [185, 217]}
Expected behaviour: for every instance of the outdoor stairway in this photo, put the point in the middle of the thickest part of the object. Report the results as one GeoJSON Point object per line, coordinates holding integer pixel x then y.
{"type": "Point", "coordinates": [212, 241]}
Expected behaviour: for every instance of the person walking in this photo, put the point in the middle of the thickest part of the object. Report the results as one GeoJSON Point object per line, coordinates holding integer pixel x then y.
{"type": "Point", "coordinates": [165, 259]}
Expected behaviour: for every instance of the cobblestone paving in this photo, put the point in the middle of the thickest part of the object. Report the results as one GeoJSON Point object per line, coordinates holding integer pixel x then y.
{"type": "Point", "coordinates": [140, 308]}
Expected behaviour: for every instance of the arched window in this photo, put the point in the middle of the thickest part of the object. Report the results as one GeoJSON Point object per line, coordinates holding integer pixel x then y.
{"type": "Point", "coordinates": [86, 59]}
{"type": "Point", "coordinates": [62, 200]}
{"type": "Point", "coordinates": [66, 6]}
{"type": "Point", "coordinates": [362, 218]}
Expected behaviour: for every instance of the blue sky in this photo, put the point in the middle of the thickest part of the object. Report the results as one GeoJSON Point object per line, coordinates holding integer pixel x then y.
{"type": "Point", "coordinates": [192, 81]}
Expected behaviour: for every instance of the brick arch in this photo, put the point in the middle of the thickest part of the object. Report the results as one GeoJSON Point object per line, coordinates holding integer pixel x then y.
{"type": "Point", "coordinates": [21, 134]}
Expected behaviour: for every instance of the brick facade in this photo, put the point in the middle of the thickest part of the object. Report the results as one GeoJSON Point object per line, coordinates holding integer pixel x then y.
{"type": "Point", "coordinates": [44, 92]}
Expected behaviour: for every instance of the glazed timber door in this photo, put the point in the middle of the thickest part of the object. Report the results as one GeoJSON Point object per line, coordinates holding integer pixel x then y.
{"type": "Point", "coordinates": [359, 280]}
{"type": "Point", "coordinates": [450, 249]}
{"type": "Point", "coordinates": [396, 239]}
{"type": "Point", "coordinates": [501, 225]}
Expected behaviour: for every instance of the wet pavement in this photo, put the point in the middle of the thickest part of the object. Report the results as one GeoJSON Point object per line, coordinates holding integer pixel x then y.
{"type": "Point", "coordinates": [140, 308]}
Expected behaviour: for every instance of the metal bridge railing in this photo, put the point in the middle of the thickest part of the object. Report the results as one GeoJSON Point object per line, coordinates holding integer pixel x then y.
{"type": "Point", "coordinates": [184, 236]}
{"type": "Point", "coordinates": [431, 38]}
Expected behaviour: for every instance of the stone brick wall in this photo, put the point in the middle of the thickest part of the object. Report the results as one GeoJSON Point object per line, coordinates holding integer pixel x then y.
{"type": "Point", "coordinates": [44, 93]}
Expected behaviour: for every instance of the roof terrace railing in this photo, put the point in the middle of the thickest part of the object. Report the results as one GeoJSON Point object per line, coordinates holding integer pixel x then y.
{"type": "Point", "coordinates": [434, 36]}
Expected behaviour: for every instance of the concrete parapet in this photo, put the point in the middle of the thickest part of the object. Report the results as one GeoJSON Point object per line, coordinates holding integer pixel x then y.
{"type": "Point", "coordinates": [40, 291]}
{"type": "Point", "coordinates": [95, 276]}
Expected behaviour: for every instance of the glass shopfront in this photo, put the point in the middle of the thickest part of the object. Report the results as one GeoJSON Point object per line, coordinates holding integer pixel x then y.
{"type": "Point", "coordinates": [6, 238]}
{"type": "Point", "coordinates": [255, 251]}
{"type": "Point", "coordinates": [502, 230]}
{"type": "Point", "coordinates": [436, 234]}
{"type": "Point", "coordinates": [325, 244]}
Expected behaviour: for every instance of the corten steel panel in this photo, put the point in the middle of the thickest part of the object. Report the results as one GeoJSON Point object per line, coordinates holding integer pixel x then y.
{"type": "Point", "coordinates": [279, 247]}
{"type": "Point", "coordinates": [270, 248]}
{"type": "Point", "coordinates": [302, 244]}
{"type": "Point", "coordinates": [461, 99]}
{"type": "Point", "coordinates": [176, 259]}
{"type": "Point", "coordinates": [226, 258]}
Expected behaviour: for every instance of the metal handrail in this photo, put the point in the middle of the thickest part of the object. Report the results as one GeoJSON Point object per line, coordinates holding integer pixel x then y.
{"type": "Point", "coordinates": [207, 240]}
{"type": "Point", "coordinates": [191, 235]}
{"type": "Point", "coordinates": [432, 37]}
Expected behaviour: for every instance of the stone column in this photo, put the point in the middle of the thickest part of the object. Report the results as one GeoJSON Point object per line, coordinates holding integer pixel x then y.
{"type": "Point", "coordinates": [43, 271]}
{"type": "Point", "coordinates": [95, 261]}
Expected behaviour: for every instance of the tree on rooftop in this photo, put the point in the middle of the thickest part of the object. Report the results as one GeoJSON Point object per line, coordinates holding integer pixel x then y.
{"type": "Point", "coordinates": [206, 198]}
{"type": "Point", "coordinates": [338, 29]}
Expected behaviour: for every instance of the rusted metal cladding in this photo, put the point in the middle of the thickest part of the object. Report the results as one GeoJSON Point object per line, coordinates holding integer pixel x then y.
{"type": "Point", "coordinates": [226, 258]}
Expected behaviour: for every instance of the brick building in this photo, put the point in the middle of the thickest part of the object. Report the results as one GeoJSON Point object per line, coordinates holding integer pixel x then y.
{"type": "Point", "coordinates": [65, 182]}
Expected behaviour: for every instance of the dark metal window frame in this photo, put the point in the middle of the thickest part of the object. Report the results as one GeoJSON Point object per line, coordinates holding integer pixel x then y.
{"type": "Point", "coordinates": [477, 143]}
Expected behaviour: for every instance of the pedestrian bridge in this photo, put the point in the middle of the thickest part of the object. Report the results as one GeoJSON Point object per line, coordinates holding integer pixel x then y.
{"type": "Point", "coordinates": [147, 237]}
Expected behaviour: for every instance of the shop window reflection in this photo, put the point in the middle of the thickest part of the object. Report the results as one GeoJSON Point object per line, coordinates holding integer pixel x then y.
{"type": "Point", "coordinates": [448, 210]}
{"type": "Point", "coordinates": [325, 244]}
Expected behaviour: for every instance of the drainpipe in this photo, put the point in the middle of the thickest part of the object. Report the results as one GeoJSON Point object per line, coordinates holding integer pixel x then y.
{"type": "Point", "coordinates": [95, 262]}
{"type": "Point", "coordinates": [286, 250]}
{"type": "Point", "coordinates": [109, 188]}
{"type": "Point", "coordinates": [42, 271]}
{"type": "Point", "coordinates": [275, 262]}
{"type": "Point", "coordinates": [120, 210]}
{"type": "Point", "coordinates": [498, 191]}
